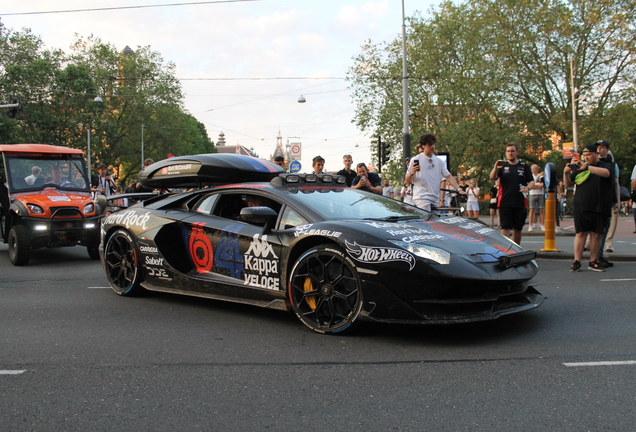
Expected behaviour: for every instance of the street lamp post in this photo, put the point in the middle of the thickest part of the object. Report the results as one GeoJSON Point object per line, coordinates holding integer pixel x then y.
{"type": "Point", "coordinates": [406, 138]}
{"type": "Point", "coordinates": [575, 99]}
{"type": "Point", "coordinates": [97, 100]}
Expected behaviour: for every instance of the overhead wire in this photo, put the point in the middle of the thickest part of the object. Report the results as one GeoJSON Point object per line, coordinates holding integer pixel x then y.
{"type": "Point", "coordinates": [125, 7]}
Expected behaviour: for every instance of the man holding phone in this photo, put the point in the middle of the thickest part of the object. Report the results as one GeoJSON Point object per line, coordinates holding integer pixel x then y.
{"type": "Point", "coordinates": [366, 180]}
{"type": "Point", "coordinates": [516, 180]}
{"type": "Point", "coordinates": [426, 172]}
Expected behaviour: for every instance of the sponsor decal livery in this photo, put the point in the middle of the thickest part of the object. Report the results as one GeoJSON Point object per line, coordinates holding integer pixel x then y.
{"type": "Point", "coordinates": [228, 255]}
{"type": "Point", "coordinates": [456, 232]}
{"type": "Point", "coordinates": [148, 249]}
{"type": "Point", "coordinates": [379, 254]}
{"type": "Point", "coordinates": [128, 219]}
{"type": "Point", "coordinates": [201, 249]}
{"type": "Point", "coordinates": [308, 230]}
{"type": "Point", "coordinates": [260, 258]}
{"type": "Point", "coordinates": [158, 272]}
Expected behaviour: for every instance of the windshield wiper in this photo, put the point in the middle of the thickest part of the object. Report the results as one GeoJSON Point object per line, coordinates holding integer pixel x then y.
{"type": "Point", "coordinates": [394, 218]}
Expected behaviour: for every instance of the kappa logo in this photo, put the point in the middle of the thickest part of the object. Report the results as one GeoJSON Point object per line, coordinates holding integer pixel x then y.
{"type": "Point", "coordinates": [378, 254]}
{"type": "Point", "coordinates": [260, 248]}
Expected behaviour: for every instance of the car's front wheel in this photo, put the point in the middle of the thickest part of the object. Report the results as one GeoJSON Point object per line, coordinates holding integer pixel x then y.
{"type": "Point", "coordinates": [324, 289]}
{"type": "Point", "coordinates": [121, 261]}
{"type": "Point", "coordinates": [19, 245]}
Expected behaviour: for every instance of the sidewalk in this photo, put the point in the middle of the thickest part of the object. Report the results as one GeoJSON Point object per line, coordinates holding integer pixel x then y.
{"type": "Point", "coordinates": [624, 241]}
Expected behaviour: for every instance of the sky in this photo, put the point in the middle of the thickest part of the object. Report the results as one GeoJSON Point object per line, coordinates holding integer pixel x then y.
{"type": "Point", "coordinates": [235, 60]}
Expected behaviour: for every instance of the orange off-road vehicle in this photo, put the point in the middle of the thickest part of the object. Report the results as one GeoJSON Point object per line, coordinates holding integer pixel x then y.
{"type": "Point", "coordinates": [45, 200]}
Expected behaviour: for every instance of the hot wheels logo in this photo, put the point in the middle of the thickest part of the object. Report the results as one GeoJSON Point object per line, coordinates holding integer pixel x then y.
{"type": "Point", "coordinates": [376, 254]}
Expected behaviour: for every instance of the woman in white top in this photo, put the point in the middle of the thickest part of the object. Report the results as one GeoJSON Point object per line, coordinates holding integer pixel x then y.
{"type": "Point", "coordinates": [472, 205]}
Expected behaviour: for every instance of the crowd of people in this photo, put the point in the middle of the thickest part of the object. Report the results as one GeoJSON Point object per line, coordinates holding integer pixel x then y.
{"type": "Point", "coordinates": [518, 193]}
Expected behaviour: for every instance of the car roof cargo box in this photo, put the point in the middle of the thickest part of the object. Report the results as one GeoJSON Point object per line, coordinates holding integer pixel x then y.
{"type": "Point", "coordinates": [212, 168]}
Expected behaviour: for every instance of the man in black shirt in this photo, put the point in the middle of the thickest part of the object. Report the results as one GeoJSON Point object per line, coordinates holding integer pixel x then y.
{"type": "Point", "coordinates": [367, 180]}
{"type": "Point", "coordinates": [592, 203]}
{"type": "Point", "coordinates": [347, 171]}
{"type": "Point", "coordinates": [516, 180]}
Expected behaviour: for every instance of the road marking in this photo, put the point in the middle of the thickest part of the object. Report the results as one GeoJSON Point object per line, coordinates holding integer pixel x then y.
{"type": "Point", "coordinates": [12, 372]}
{"type": "Point", "coordinates": [618, 280]}
{"type": "Point", "coordinates": [99, 287]}
{"type": "Point", "coordinates": [602, 363]}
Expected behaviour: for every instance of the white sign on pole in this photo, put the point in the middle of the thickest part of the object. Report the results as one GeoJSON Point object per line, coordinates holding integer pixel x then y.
{"type": "Point", "coordinates": [296, 150]}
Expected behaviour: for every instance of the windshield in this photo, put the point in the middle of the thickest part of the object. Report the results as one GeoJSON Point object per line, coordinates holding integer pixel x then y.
{"type": "Point", "coordinates": [26, 173]}
{"type": "Point", "coordinates": [347, 203]}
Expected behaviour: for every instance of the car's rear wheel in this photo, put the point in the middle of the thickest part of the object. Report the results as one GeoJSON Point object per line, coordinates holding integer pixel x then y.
{"type": "Point", "coordinates": [121, 261]}
{"type": "Point", "coordinates": [324, 289]}
{"type": "Point", "coordinates": [19, 245]}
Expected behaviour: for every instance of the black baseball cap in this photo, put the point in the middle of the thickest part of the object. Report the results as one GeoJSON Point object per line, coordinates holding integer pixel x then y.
{"type": "Point", "coordinates": [603, 143]}
{"type": "Point", "coordinates": [591, 148]}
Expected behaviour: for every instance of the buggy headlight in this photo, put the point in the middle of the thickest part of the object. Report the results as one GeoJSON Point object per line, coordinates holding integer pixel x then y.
{"type": "Point", "coordinates": [35, 209]}
{"type": "Point", "coordinates": [89, 208]}
{"type": "Point", "coordinates": [432, 253]}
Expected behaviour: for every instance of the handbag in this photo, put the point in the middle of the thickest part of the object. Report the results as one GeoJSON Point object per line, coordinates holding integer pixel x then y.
{"type": "Point", "coordinates": [493, 200]}
{"type": "Point", "coordinates": [625, 196]}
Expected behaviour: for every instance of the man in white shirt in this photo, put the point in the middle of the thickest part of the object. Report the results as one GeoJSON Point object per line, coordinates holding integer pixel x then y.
{"type": "Point", "coordinates": [426, 172]}
{"type": "Point", "coordinates": [387, 189]}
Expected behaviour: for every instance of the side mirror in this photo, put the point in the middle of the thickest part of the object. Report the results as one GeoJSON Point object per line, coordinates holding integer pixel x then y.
{"type": "Point", "coordinates": [259, 216]}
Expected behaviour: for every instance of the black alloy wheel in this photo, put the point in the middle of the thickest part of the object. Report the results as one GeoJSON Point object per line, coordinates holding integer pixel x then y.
{"type": "Point", "coordinates": [324, 290]}
{"type": "Point", "coordinates": [121, 261]}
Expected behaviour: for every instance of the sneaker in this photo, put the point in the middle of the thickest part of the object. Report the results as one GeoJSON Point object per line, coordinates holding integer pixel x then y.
{"type": "Point", "coordinates": [609, 249]}
{"type": "Point", "coordinates": [530, 229]}
{"type": "Point", "coordinates": [595, 266]}
{"type": "Point", "coordinates": [542, 228]}
{"type": "Point", "coordinates": [576, 266]}
{"type": "Point", "coordinates": [557, 230]}
{"type": "Point", "coordinates": [605, 263]}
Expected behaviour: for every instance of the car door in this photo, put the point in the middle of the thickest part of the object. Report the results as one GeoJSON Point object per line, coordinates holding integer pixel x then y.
{"type": "Point", "coordinates": [232, 254]}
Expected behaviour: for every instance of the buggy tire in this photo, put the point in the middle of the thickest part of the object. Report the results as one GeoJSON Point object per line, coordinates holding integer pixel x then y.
{"type": "Point", "coordinates": [93, 252]}
{"type": "Point", "coordinates": [19, 245]}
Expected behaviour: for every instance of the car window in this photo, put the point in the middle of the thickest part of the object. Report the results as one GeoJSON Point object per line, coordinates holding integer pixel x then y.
{"type": "Point", "coordinates": [348, 203]}
{"type": "Point", "coordinates": [229, 205]}
{"type": "Point", "coordinates": [291, 219]}
{"type": "Point", "coordinates": [206, 204]}
{"type": "Point", "coordinates": [33, 172]}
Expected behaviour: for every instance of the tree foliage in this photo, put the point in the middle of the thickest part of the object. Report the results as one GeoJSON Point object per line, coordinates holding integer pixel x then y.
{"type": "Point", "coordinates": [138, 91]}
{"type": "Point", "coordinates": [487, 72]}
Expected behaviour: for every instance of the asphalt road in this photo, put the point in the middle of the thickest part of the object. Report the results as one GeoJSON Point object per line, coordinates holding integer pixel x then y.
{"type": "Point", "coordinates": [94, 361]}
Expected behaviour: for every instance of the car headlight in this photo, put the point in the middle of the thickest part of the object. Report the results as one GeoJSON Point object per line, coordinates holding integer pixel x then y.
{"type": "Point", "coordinates": [89, 208]}
{"type": "Point", "coordinates": [432, 253]}
{"type": "Point", "coordinates": [35, 209]}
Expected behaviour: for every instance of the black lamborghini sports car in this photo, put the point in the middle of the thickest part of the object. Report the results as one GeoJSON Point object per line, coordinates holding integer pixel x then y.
{"type": "Point", "coordinates": [244, 231]}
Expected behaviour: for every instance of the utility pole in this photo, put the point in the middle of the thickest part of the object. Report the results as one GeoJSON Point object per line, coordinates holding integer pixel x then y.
{"type": "Point", "coordinates": [406, 139]}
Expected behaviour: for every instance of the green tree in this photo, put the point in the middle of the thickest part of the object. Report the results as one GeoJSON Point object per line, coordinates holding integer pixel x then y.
{"type": "Point", "coordinates": [138, 90]}
{"type": "Point", "coordinates": [484, 73]}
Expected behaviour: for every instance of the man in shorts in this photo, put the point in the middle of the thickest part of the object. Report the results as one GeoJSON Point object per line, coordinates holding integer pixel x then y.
{"type": "Point", "coordinates": [592, 203]}
{"type": "Point", "coordinates": [516, 180]}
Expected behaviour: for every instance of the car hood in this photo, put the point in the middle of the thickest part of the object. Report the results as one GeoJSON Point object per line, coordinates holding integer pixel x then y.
{"type": "Point", "coordinates": [52, 197]}
{"type": "Point", "coordinates": [453, 234]}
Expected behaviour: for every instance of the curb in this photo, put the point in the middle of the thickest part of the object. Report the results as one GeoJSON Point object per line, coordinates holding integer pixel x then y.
{"type": "Point", "coordinates": [567, 255]}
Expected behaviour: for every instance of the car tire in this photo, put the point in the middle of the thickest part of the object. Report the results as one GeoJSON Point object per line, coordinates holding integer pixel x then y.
{"type": "Point", "coordinates": [93, 252]}
{"type": "Point", "coordinates": [325, 290]}
{"type": "Point", "coordinates": [121, 262]}
{"type": "Point", "coordinates": [19, 245]}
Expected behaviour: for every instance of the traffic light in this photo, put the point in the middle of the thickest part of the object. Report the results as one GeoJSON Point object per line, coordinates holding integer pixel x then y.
{"type": "Point", "coordinates": [385, 153]}
{"type": "Point", "coordinates": [13, 108]}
